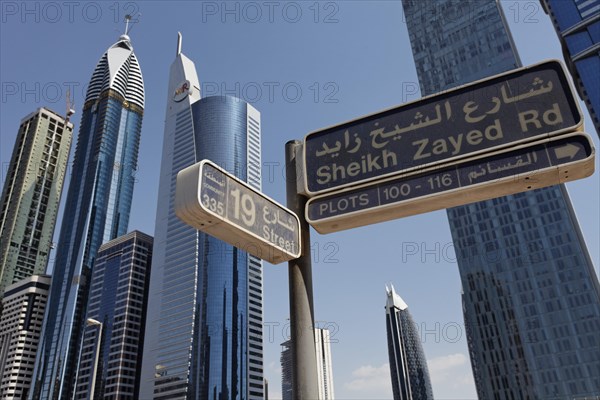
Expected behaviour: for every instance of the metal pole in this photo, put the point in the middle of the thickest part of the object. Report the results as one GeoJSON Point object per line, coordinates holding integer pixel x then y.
{"type": "Point", "coordinates": [304, 358]}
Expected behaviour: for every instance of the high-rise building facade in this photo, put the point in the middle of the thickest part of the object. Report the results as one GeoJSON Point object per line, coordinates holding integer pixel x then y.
{"type": "Point", "coordinates": [408, 365]}
{"type": "Point", "coordinates": [577, 23]}
{"type": "Point", "coordinates": [324, 366]}
{"type": "Point", "coordinates": [113, 336]}
{"type": "Point", "coordinates": [97, 209]}
{"type": "Point", "coordinates": [20, 327]}
{"type": "Point", "coordinates": [204, 328]}
{"type": "Point", "coordinates": [31, 195]}
{"type": "Point", "coordinates": [531, 297]}
{"type": "Point", "coordinates": [287, 373]}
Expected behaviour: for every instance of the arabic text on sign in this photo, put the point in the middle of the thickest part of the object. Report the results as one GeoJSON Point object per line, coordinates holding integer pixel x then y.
{"type": "Point", "coordinates": [232, 201]}
{"type": "Point", "coordinates": [479, 171]}
{"type": "Point", "coordinates": [521, 106]}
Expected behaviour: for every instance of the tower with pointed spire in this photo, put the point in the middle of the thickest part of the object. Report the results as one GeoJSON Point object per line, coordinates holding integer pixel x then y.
{"type": "Point", "coordinates": [408, 366]}
{"type": "Point", "coordinates": [97, 209]}
{"type": "Point", "coordinates": [205, 338]}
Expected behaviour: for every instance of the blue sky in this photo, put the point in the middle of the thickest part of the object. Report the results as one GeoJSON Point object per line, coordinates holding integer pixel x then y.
{"type": "Point", "coordinates": [303, 65]}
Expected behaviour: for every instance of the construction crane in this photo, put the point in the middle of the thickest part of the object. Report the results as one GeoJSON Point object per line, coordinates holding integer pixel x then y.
{"type": "Point", "coordinates": [70, 105]}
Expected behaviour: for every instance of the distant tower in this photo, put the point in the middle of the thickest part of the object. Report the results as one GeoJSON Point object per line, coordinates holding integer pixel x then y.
{"type": "Point", "coordinates": [113, 336]}
{"type": "Point", "coordinates": [287, 365]}
{"type": "Point", "coordinates": [266, 386]}
{"type": "Point", "coordinates": [408, 366]}
{"type": "Point", "coordinates": [324, 366]}
{"type": "Point", "coordinates": [204, 339]}
{"type": "Point", "coordinates": [531, 297]}
{"type": "Point", "coordinates": [577, 23]}
{"type": "Point", "coordinates": [20, 327]}
{"type": "Point", "coordinates": [31, 195]}
{"type": "Point", "coordinates": [97, 209]}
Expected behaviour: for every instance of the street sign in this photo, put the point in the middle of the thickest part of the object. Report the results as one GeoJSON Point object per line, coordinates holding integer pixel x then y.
{"type": "Point", "coordinates": [519, 106]}
{"type": "Point", "coordinates": [216, 202]}
{"type": "Point", "coordinates": [527, 167]}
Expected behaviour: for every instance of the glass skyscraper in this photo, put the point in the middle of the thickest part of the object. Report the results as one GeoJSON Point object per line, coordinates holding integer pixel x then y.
{"type": "Point", "coordinates": [113, 336]}
{"type": "Point", "coordinates": [577, 23]}
{"type": "Point", "coordinates": [531, 297]}
{"type": "Point", "coordinates": [408, 366]}
{"type": "Point", "coordinates": [31, 195]}
{"type": "Point", "coordinates": [287, 373]}
{"type": "Point", "coordinates": [324, 366]}
{"type": "Point", "coordinates": [97, 209]}
{"type": "Point", "coordinates": [204, 326]}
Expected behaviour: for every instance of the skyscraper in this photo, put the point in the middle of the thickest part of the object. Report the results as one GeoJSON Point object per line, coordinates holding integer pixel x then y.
{"type": "Point", "coordinates": [324, 366]}
{"type": "Point", "coordinates": [31, 195]}
{"type": "Point", "coordinates": [113, 337]}
{"type": "Point", "coordinates": [204, 329]}
{"type": "Point", "coordinates": [97, 208]}
{"type": "Point", "coordinates": [531, 297]}
{"type": "Point", "coordinates": [20, 327]}
{"type": "Point", "coordinates": [408, 366]}
{"type": "Point", "coordinates": [577, 23]}
{"type": "Point", "coordinates": [287, 374]}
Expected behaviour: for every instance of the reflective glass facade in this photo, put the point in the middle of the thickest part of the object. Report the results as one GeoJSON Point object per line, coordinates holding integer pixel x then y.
{"type": "Point", "coordinates": [97, 210]}
{"type": "Point", "coordinates": [324, 367]}
{"type": "Point", "coordinates": [531, 297]}
{"type": "Point", "coordinates": [223, 126]}
{"type": "Point", "coordinates": [456, 42]}
{"type": "Point", "coordinates": [113, 334]}
{"type": "Point", "coordinates": [408, 365]}
{"type": "Point", "coordinates": [577, 23]}
{"type": "Point", "coordinates": [204, 328]}
{"type": "Point", "coordinates": [287, 366]}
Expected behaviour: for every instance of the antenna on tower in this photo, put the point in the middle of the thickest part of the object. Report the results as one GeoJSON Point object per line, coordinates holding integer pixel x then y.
{"type": "Point", "coordinates": [129, 18]}
{"type": "Point", "coordinates": [70, 105]}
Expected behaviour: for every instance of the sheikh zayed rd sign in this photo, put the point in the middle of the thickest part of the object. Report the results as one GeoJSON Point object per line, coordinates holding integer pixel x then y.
{"type": "Point", "coordinates": [520, 106]}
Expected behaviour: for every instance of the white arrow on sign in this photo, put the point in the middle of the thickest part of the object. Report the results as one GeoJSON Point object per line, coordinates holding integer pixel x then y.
{"type": "Point", "coordinates": [569, 150]}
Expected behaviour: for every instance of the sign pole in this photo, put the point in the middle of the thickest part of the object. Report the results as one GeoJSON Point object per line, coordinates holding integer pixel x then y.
{"type": "Point", "coordinates": [304, 361]}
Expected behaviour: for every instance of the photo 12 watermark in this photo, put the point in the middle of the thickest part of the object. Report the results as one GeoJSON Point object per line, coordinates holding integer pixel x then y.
{"type": "Point", "coordinates": [525, 12]}
{"type": "Point", "coordinates": [53, 12]}
{"type": "Point", "coordinates": [290, 92]}
{"type": "Point", "coordinates": [271, 12]}
{"type": "Point", "coordinates": [278, 332]}
{"type": "Point", "coordinates": [424, 252]}
{"type": "Point", "coordinates": [42, 92]}
{"type": "Point", "coordinates": [446, 332]}
{"type": "Point", "coordinates": [321, 252]}
{"type": "Point", "coordinates": [488, 253]}
{"type": "Point", "coordinates": [121, 171]}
